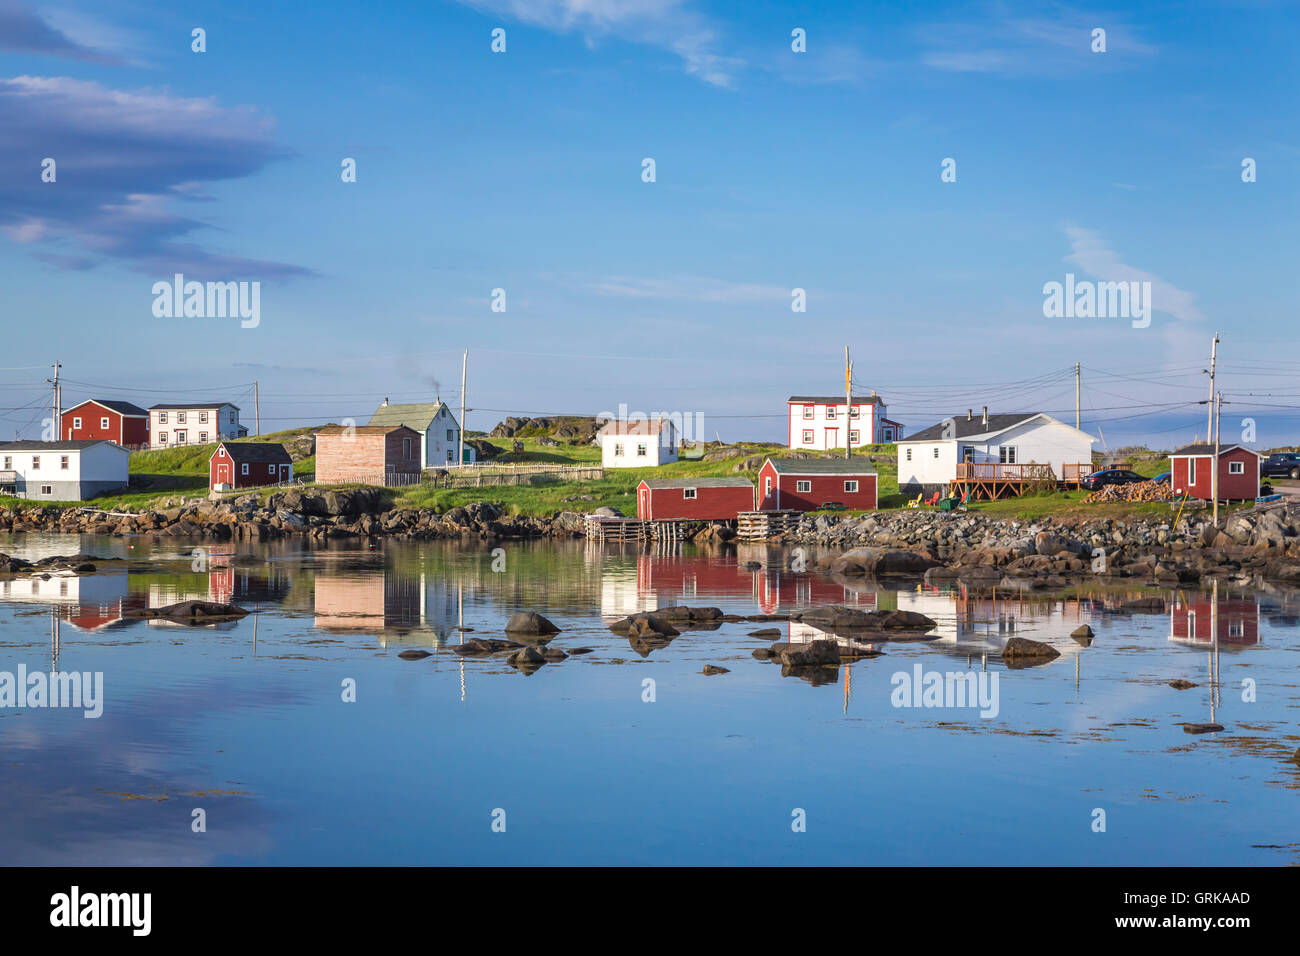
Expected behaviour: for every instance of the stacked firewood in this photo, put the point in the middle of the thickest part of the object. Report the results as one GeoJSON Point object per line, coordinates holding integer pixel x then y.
{"type": "Point", "coordinates": [1138, 491]}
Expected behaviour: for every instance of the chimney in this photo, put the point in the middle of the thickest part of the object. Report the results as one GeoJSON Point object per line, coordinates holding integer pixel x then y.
{"type": "Point", "coordinates": [970, 413]}
{"type": "Point", "coordinates": [385, 399]}
{"type": "Point", "coordinates": [986, 415]}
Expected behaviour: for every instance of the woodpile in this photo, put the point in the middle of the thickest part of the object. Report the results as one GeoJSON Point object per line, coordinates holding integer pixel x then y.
{"type": "Point", "coordinates": [1138, 491]}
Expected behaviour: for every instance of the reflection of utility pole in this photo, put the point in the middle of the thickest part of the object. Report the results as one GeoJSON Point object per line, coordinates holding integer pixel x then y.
{"type": "Point", "coordinates": [460, 621]}
{"type": "Point", "coordinates": [54, 639]}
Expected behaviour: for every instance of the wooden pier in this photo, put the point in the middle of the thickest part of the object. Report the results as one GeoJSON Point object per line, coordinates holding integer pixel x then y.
{"type": "Point", "coordinates": [758, 525]}
{"type": "Point", "coordinates": [601, 528]}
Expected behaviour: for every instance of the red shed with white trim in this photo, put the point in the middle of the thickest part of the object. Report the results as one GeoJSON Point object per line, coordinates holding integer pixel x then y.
{"type": "Point", "coordinates": [102, 419]}
{"type": "Point", "coordinates": [693, 499]}
{"type": "Point", "coordinates": [245, 464]}
{"type": "Point", "coordinates": [793, 484]}
{"type": "Point", "coordinates": [1191, 471]}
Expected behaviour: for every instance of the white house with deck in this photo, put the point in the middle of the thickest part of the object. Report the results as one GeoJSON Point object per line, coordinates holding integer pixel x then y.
{"type": "Point", "coordinates": [928, 460]}
{"type": "Point", "coordinates": [822, 422]}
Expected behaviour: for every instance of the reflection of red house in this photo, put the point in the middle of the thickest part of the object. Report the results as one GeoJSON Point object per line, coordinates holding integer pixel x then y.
{"type": "Point", "coordinates": [105, 420]}
{"type": "Point", "coordinates": [693, 499]}
{"type": "Point", "coordinates": [1191, 471]}
{"type": "Point", "coordinates": [682, 579]}
{"type": "Point", "coordinates": [1194, 622]}
{"type": "Point", "coordinates": [806, 484]}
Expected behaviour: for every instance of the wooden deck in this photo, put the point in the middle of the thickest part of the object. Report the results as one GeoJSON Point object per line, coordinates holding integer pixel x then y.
{"type": "Point", "coordinates": [759, 525]}
{"type": "Point", "coordinates": [990, 480]}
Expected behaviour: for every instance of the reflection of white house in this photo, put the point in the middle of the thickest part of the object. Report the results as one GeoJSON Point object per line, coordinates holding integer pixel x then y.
{"type": "Point", "coordinates": [637, 444]}
{"type": "Point", "coordinates": [928, 460]}
{"type": "Point", "coordinates": [983, 625]}
{"type": "Point", "coordinates": [62, 470]}
{"type": "Point", "coordinates": [621, 593]}
{"type": "Point", "coordinates": [89, 602]}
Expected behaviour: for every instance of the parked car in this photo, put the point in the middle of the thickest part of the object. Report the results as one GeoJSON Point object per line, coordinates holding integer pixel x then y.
{"type": "Point", "coordinates": [1111, 476]}
{"type": "Point", "coordinates": [1284, 464]}
{"type": "Point", "coordinates": [1163, 477]}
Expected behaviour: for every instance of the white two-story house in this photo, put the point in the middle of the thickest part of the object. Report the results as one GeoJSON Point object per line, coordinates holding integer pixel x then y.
{"type": "Point", "coordinates": [823, 422]}
{"type": "Point", "coordinates": [438, 428]}
{"type": "Point", "coordinates": [193, 423]}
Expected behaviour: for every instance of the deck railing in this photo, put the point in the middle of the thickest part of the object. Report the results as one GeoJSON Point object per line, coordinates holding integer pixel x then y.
{"type": "Point", "coordinates": [996, 471]}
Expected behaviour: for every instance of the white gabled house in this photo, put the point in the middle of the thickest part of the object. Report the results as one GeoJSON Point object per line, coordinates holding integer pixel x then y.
{"type": "Point", "coordinates": [640, 443]}
{"type": "Point", "coordinates": [927, 460]}
{"type": "Point", "coordinates": [438, 428]}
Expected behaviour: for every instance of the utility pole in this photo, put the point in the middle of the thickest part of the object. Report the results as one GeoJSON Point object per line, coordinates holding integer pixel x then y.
{"type": "Point", "coordinates": [1217, 408]}
{"type": "Point", "coordinates": [1209, 420]}
{"type": "Point", "coordinates": [1076, 395]}
{"type": "Point", "coordinates": [57, 403]}
{"type": "Point", "coordinates": [257, 409]}
{"type": "Point", "coordinates": [464, 374]}
{"type": "Point", "coordinates": [848, 405]}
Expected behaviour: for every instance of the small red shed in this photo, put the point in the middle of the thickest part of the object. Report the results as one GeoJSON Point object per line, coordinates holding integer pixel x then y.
{"type": "Point", "coordinates": [101, 419]}
{"type": "Point", "coordinates": [693, 499]}
{"type": "Point", "coordinates": [1191, 471]}
{"type": "Point", "coordinates": [242, 464]}
{"type": "Point", "coordinates": [793, 484]}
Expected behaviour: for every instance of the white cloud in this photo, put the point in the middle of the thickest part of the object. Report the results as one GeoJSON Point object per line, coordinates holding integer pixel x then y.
{"type": "Point", "coordinates": [1092, 255]}
{"type": "Point", "coordinates": [666, 24]}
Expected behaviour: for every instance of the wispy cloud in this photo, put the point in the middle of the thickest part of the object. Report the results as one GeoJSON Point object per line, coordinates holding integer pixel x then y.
{"type": "Point", "coordinates": [22, 30]}
{"type": "Point", "coordinates": [1092, 255]}
{"type": "Point", "coordinates": [687, 289]}
{"type": "Point", "coordinates": [1019, 46]}
{"type": "Point", "coordinates": [670, 25]}
{"type": "Point", "coordinates": [124, 160]}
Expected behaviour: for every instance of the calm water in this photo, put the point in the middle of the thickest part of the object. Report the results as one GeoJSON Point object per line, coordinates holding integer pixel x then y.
{"type": "Point", "coordinates": [247, 722]}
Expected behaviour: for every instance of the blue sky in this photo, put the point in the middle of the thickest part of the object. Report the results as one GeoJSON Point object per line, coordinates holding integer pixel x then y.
{"type": "Point", "coordinates": [774, 170]}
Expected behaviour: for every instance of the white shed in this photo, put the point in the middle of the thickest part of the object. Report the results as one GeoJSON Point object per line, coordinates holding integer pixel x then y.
{"type": "Point", "coordinates": [62, 470]}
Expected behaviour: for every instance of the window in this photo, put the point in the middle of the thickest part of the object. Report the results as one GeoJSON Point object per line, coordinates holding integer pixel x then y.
{"type": "Point", "coordinates": [103, 423]}
{"type": "Point", "coordinates": [47, 489]}
{"type": "Point", "coordinates": [640, 449]}
{"type": "Point", "coordinates": [36, 462]}
{"type": "Point", "coordinates": [451, 434]}
{"type": "Point", "coordinates": [1236, 629]}
{"type": "Point", "coordinates": [162, 438]}
{"type": "Point", "coordinates": [889, 434]}
{"type": "Point", "coordinates": [855, 412]}
{"type": "Point", "coordinates": [203, 416]}
{"type": "Point", "coordinates": [270, 469]}
{"type": "Point", "coordinates": [450, 457]}
{"type": "Point", "coordinates": [1007, 454]}
{"type": "Point", "coordinates": [180, 438]}
{"type": "Point", "coordinates": [9, 462]}
{"type": "Point", "coordinates": [803, 486]}
{"type": "Point", "coordinates": [807, 436]}
{"type": "Point", "coordinates": [851, 487]}
{"type": "Point", "coordinates": [909, 454]}
{"type": "Point", "coordinates": [63, 462]}
{"type": "Point", "coordinates": [618, 450]}
{"type": "Point", "coordinates": [809, 411]}
{"type": "Point", "coordinates": [830, 411]}
{"type": "Point", "coordinates": [688, 492]}
{"type": "Point", "coordinates": [853, 436]}
{"type": "Point", "coordinates": [406, 448]}
{"type": "Point", "coordinates": [76, 422]}
{"type": "Point", "coordinates": [203, 438]}
{"type": "Point", "coordinates": [221, 452]}
{"type": "Point", "coordinates": [936, 451]}
{"type": "Point", "coordinates": [243, 469]}
{"type": "Point", "coordinates": [180, 418]}
{"type": "Point", "coordinates": [1236, 467]}
{"type": "Point", "coordinates": [767, 486]}
{"type": "Point", "coordinates": [162, 418]}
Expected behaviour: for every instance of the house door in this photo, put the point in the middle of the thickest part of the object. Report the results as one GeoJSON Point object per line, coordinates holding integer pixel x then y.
{"type": "Point", "coordinates": [831, 440]}
{"type": "Point", "coordinates": [643, 506]}
{"type": "Point", "coordinates": [223, 474]}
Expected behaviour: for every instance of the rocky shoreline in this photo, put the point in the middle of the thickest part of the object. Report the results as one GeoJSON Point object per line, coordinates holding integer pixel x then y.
{"type": "Point", "coordinates": [970, 546]}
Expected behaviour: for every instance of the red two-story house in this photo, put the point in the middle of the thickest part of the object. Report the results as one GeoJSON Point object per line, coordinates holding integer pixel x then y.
{"type": "Point", "coordinates": [102, 419]}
